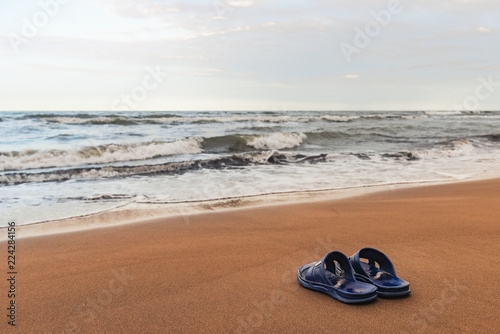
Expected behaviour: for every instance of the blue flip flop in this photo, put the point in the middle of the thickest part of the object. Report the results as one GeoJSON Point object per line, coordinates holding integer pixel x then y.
{"type": "Point", "coordinates": [334, 276]}
{"type": "Point", "coordinates": [378, 270]}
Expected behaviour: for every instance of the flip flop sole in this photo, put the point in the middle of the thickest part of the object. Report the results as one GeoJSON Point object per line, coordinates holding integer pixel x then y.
{"type": "Point", "coordinates": [381, 291]}
{"type": "Point", "coordinates": [393, 294]}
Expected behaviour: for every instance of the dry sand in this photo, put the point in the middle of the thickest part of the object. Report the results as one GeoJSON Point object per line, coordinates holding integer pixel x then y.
{"type": "Point", "coordinates": [235, 271]}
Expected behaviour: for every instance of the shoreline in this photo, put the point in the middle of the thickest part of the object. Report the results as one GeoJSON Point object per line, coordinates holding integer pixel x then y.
{"type": "Point", "coordinates": [138, 212]}
{"type": "Point", "coordinates": [235, 270]}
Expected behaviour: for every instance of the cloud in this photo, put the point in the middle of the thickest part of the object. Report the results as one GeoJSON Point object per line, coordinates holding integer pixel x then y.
{"type": "Point", "coordinates": [260, 51]}
{"type": "Point", "coordinates": [143, 8]}
{"type": "Point", "coordinates": [239, 3]}
{"type": "Point", "coordinates": [211, 33]}
{"type": "Point", "coordinates": [483, 29]}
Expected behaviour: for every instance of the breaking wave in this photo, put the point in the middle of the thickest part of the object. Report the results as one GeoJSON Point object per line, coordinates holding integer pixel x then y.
{"type": "Point", "coordinates": [276, 141]}
{"type": "Point", "coordinates": [109, 153]}
{"type": "Point", "coordinates": [451, 149]}
{"type": "Point", "coordinates": [32, 159]}
{"type": "Point", "coordinates": [228, 144]}
{"type": "Point", "coordinates": [99, 172]}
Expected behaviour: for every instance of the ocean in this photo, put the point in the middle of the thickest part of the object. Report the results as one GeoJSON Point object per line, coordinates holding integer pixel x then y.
{"type": "Point", "coordinates": [57, 165]}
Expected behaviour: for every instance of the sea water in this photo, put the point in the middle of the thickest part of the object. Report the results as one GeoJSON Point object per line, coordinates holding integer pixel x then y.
{"type": "Point", "coordinates": [62, 164]}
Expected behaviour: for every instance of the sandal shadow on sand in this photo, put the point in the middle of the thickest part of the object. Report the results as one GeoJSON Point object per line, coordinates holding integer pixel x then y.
{"type": "Point", "coordinates": [334, 276]}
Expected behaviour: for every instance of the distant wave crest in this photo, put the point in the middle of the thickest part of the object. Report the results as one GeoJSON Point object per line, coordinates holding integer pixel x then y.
{"type": "Point", "coordinates": [269, 117]}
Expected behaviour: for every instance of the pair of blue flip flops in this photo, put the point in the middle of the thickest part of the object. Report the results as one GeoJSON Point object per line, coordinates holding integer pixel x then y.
{"type": "Point", "coordinates": [358, 279]}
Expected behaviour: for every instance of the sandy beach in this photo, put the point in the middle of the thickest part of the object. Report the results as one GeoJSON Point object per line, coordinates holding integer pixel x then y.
{"type": "Point", "coordinates": [235, 271]}
{"type": "Point", "coordinates": [169, 167]}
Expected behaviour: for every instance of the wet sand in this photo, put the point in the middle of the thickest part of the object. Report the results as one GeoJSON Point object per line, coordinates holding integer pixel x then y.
{"type": "Point", "coordinates": [235, 271]}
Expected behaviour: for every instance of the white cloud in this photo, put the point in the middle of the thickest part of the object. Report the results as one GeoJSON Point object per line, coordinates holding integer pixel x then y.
{"type": "Point", "coordinates": [239, 3]}
{"type": "Point", "coordinates": [211, 33]}
{"type": "Point", "coordinates": [483, 29]}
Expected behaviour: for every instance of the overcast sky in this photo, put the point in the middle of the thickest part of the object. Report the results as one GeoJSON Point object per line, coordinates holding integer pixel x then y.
{"type": "Point", "coordinates": [249, 54]}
